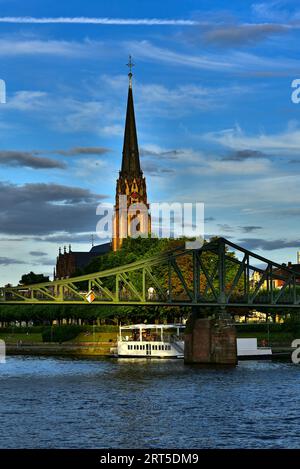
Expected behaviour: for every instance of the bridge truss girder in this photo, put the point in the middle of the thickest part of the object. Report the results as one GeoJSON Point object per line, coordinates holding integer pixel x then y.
{"type": "Point", "coordinates": [220, 274]}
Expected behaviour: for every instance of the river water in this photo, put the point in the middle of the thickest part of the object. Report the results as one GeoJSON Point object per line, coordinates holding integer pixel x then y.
{"type": "Point", "coordinates": [69, 403]}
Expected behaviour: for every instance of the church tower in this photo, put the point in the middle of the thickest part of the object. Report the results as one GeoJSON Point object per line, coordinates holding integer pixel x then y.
{"type": "Point", "coordinates": [131, 216]}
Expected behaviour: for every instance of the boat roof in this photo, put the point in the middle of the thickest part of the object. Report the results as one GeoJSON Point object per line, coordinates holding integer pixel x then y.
{"type": "Point", "coordinates": [152, 326]}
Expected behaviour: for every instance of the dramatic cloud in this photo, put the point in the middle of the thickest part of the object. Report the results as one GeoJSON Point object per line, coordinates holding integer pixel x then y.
{"type": "Point", "coordinates": [265, 245]}
{"type": "Point", "coordinates": [32, 160]}
{"type": "Point", "coordinates": [38, 253]}
{"type": "Point", "coordinates": [45, 262]}
{"type": "Point", "coordinates": [42, 209]}
{"type": "Point", "coordinates": [9, 261]}
{"type": "Point", "coordinates": [225, 228]}
{"type": "Point", "coordinates": [241, 155]}
{"type": "Point", "coordinates": [65, 238]}
{"type": "Point", "coordinates": [245, 229]}
{"type": "Point", "coordinates": [294, 161]}
{"type": "Point", "coordinates": [168, 154]}
{"type": "Point", "coordinates": [82, 151]}
{"type": "Point", "coordinates": [99, 21]}
{"type": "Point", "coordinates": [155, 170]}
{"type": "Point", "coordinates": [250, 228]}
{"type": "Point", "coordinates": [242, 35]}
{"type": "Point", "coordinates": [191, 162]}
{"type": "Point", "coordinates": [28, 159]}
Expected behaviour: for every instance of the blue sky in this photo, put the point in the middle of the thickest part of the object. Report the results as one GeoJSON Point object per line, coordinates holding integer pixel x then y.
{"type": "Point", "coordinates": [215, 120]}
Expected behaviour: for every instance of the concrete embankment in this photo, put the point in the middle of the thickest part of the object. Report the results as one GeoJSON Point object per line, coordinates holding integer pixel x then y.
{"type": "Point", "coordinates": [78, 349]}
{"type": "Point", "coordinates": [96, 349]}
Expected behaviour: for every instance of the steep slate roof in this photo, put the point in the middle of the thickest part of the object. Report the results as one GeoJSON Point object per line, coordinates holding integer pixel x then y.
{"type": "Point", "coordinates": [101, 248]}
{"type": "Point", "coordinates": [84, 258]}
{"type": "Point", "coordinates": [130, 159]}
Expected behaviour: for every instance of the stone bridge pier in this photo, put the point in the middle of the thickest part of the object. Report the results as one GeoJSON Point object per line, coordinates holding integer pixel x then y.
{"type": "Point", "coordinates": [210, 341]}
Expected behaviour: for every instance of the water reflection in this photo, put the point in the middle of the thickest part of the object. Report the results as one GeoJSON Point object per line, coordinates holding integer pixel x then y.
{"type": "Point", "coordinates": [66, 403]}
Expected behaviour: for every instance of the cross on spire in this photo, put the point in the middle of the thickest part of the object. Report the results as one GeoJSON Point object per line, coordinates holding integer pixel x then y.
{"type": "Point", "coordinates": [130, 160]}
{"type": "Point", "coordinates": [130, 65]}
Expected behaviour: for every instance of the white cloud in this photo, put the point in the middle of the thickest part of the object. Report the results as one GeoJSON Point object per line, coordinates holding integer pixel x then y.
{"type": "Point", "coordinates": [264, 193]}
{"type": "Point", "coordinates": [155, 98]}
{"type": "Point", "coordinates": [112, 130]}
{"type": "Point", "coordinates": [144, 49]}
{"type": "Point", "coordinates": [233, 61]}
{"type": "Point", "coordinates": [192, 162]}
{"type": "Point", "coordinates": [103, 112]}
{"type": "Point", "coordinates": [238, 167]}
{"type": "Point", "coordinates": [90, 168]}
{"type": "Point", "coordinates": [99, 21]}
{"type": "Point", "coordinates": [286, 142]}
{"type": "Point", "coordinates": [185, 98]}
{"type": "Point", "coordinates": [27, 100]}
{"type": "Point", "coordinates": [271, 10]}
{"type": "Point", "coordinates": [24, 46]}
{"type": "Point", "coordinates": [65, 113]}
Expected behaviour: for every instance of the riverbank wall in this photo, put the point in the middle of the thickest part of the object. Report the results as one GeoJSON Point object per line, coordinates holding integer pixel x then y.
{"type": "Point", "coordinates": [99, 349]}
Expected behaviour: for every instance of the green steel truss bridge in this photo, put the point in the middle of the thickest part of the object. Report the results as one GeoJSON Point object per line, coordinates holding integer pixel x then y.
{"type": "Point", "coordinates": [220, 274]}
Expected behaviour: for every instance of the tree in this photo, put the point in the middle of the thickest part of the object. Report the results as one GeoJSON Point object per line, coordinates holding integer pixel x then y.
{"type": "Point", "coordinates": [28, 279]}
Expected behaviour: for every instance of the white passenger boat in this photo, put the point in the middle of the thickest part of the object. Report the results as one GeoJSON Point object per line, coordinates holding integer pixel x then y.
{"type": "Point", "coordinates": [151, 341]}
{"type": "Point", "coordinates": [247, 349]}
{"type": "Point", "coordinates": [167, 341]}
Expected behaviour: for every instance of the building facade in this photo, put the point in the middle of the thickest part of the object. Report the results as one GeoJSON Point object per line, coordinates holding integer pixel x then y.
{"type": "Point", "coordinates": [68, 262]}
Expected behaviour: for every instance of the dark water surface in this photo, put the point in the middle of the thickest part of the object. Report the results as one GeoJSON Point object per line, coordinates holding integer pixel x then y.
{"type": "Point", "coordinates": [65, 403]}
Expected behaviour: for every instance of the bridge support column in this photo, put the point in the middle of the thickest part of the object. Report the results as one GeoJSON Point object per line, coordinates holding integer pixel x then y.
{"type": "Point", "coordinates": [210, 341]}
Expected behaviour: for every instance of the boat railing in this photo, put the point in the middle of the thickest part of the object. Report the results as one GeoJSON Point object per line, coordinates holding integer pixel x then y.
{"type": "Point", "coordinates": [151, 338]}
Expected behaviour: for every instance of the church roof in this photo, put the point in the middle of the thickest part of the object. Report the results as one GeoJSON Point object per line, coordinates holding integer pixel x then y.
{"type": "Point", "coordinates": [130, 159]}
{"type": "Point", "coordinates": [83, 258]}
{"type": "Point", "coordinates": [101, 248]}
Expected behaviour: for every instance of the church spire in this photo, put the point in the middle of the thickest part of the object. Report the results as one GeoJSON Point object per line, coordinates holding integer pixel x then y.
{"type": "Point", "coordinates": [131, 185]}
{"type": "Point", "coordinates": [130, 159]}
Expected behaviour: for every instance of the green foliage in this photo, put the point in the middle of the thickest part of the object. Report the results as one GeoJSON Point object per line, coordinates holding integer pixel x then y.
{"type": "Point", "coordinates": [17, 335]}
{"type": "Point", "coordinates": [105, 328]}
{"type": "Point", "coordinates": [131, 250]}
{"type": "Point", "coordinates": [60, 333]}
{"type": "Point", "coordinates": [21, 330]}
{"type": "Point", "coordinates": [292, 324]}
{"type": "Point", "coordinates": [29, 279]}
{"type": "Point", "coordinates": [259, 327]}
{"type": "Point", "coordinates": [269, 338]}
